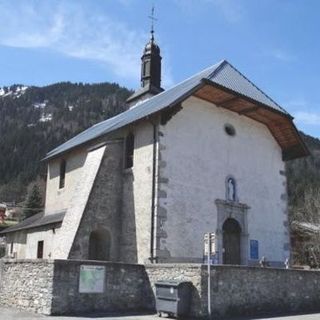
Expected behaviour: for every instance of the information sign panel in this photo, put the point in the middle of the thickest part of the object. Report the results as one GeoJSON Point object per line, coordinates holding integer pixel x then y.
{"type": "Point", "coordinates": [254, 249]}
{"type": "Point", "coordinates": [92, 279]}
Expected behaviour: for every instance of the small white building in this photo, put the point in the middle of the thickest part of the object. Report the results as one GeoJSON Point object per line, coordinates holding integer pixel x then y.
{"type": "Point", "coordinates": [207, 155]}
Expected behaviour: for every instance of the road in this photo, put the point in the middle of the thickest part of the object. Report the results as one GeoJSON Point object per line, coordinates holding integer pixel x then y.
{"type": "Point", "coordinates": [13, 314]}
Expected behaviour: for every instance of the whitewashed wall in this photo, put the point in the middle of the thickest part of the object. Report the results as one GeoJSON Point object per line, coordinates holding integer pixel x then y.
{"type": "Point", "coordinates": [59, 199]}
{"type": "Point", "coordinates": [19, 240]}
{"type": "Point", "coordinates": [48, 237]}
{"type": "Point", "coordinates": [139, 194]}
{"type": "Point", "coordinates": [197, 156]}
{"type": "Point", "coordinates": [25, 242]}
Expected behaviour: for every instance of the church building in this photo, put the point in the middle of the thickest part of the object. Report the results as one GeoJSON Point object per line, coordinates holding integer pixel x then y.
{"type": "Point", "coordinates": [207, 155]}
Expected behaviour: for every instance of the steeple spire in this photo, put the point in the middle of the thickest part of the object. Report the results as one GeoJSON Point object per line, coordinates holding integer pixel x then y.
{"type": "Point", "coordinates": [150, 69]}
{"type": "Point", "coordinates": [152, 18]}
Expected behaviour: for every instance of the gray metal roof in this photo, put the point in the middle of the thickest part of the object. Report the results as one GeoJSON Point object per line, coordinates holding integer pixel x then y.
{"type": "Point", "coordinates": [38, 220]}
{"type": "Point", "coordinates": [222, 73]}
{"type": "Point", "coordinates": [229, 77]}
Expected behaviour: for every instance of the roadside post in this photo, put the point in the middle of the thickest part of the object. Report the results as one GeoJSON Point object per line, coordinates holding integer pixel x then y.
{"type": "Point", "coordinates": [209, 252]}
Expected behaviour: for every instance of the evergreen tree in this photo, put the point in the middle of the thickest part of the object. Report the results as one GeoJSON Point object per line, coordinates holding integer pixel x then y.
{"type": "Point", "coordinates": [33, 203]}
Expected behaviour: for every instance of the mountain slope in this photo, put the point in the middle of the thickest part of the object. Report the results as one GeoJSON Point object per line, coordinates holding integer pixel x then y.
{"type": "Point", "coordinates": [34, 120]}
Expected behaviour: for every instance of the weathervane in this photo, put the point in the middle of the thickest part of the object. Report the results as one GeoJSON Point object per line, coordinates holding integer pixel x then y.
{"type": "Point", "coordinates": [153, 19]}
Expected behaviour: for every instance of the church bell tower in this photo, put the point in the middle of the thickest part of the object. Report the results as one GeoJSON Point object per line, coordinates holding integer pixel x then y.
{"type": "Point", "coordinates": [150, 71]}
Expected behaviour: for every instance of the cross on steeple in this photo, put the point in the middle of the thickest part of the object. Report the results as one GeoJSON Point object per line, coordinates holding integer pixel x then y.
{"type": "Point", "coordinates": [153, 19]}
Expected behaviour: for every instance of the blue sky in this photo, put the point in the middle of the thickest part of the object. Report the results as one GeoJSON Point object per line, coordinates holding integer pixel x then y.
{"type": "Point", "coordinates": [275, 43]}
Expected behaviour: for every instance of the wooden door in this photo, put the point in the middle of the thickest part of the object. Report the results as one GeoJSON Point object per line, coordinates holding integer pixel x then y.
{"type": "Point", "coordinates": [40, 250]}
{"type": "Point", "coordinates": [231, 242]}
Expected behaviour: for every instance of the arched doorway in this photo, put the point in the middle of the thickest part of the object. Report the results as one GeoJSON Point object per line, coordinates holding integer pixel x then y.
{"type": "Point", "coordinates": [99, 245]}
{"type": "Point", "coordinates": [231, 242]}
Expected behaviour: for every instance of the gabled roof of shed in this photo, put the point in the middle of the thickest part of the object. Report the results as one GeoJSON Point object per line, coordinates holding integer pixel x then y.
{"type": "Point", "coordinates": [222, 75]}
{"type": "Point", "coordinates": [35, 221]}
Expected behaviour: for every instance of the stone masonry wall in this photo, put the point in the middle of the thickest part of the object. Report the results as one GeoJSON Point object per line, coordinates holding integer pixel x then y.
{"type": "Point", "coordinates": [181, 272]}
{"type": "Point", "coordinates": [26, 284]}
{"type": "Point", "coordinates": [239, 291]}
{"type": "Point", "coordinates": [253, 291]}
{"type": "Point", "coordinates": [52, 287]}
{"type": "Point", "coordinates": [82, 191]}
{"type": "Point", "coordinates": [125, 289]}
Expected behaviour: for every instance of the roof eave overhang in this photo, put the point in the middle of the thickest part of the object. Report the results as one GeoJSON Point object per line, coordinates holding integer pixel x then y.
{"type": "Point", "coordinates": [279, 123]}
{"type": "Point", "coordinates": [239, 95]}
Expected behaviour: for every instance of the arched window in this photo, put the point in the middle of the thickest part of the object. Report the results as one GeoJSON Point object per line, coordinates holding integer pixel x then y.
{"type": "Point", "coordinates": [129, 149]}
{"type": "Point", "coordinates": [99, 245]}
{"type": "Point", "coordinates": [231, 189]}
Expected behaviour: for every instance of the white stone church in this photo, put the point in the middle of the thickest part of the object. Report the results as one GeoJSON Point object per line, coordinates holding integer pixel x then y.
{"type": "Point", "coordinates": [207, 155]}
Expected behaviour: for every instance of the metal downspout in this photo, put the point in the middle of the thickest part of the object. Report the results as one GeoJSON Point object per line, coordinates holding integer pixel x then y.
{"type": "Point", "coordinates": [153, 258]}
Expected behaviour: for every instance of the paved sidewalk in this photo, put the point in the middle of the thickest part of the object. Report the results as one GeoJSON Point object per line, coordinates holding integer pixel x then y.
{"type": "Point", "coordinates": [13, 314]}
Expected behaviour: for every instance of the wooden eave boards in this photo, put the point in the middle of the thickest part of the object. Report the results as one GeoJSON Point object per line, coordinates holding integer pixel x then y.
{"type": "Point", "coordinates": [279, 124]}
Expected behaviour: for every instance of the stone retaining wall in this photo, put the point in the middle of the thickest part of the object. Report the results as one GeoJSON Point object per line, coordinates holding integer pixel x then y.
{"type": "Point", "coordinates": [27, 284]}
{"type": "Point", "coordinates": [124, 288]}
{"type": "Point", "coordinates": [182, 272]}
{"type": "Point", "coordinates": [255, 291]}
{"type": "Point", "coordinates": [237, 290]}
{"type": "Point", "coordinates": [52, 287]}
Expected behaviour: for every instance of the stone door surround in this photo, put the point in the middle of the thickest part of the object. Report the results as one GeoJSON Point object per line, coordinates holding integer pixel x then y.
{"type": "Point", "coordinates": [231, 209]}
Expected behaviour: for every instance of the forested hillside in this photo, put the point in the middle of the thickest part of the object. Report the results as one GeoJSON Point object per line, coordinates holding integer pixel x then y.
{"type": "Point", "coordinates": [304, 184]}
{"type": "Point", "coordinates": [34, 120]}
{"type": "Point", "coordinates": [304, 204]}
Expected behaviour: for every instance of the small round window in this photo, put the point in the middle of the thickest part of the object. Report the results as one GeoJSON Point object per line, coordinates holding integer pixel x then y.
{"type": "Point", "coordinates": [230, 130]}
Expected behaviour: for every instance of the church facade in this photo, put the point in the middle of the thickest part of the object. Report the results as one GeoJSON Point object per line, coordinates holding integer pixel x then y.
{"type": "Point", "coordinates": [207, 155]}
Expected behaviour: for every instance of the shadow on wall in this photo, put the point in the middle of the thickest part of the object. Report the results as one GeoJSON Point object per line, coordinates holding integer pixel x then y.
{"type": "Point", "coordinates": [15, 243]}
{"type": "Point", "coordinates": [180, 273]}
{"type": "Point", "coordinates": [126, 289]}
{"type": "Point", "coordinates": [73, 162]}
{"type": "Point", "coordinates": [19, 237]}
{"type": "Point", "coordinates": [99, 245]}
{"type": "Point", "coordinates": [129, 251]}
{"type": "Point", "coordinates": [2, 251]}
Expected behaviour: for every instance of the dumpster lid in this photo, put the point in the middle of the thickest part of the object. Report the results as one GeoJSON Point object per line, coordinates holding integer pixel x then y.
{"type": "Point", "coordinates": [172, 283]}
